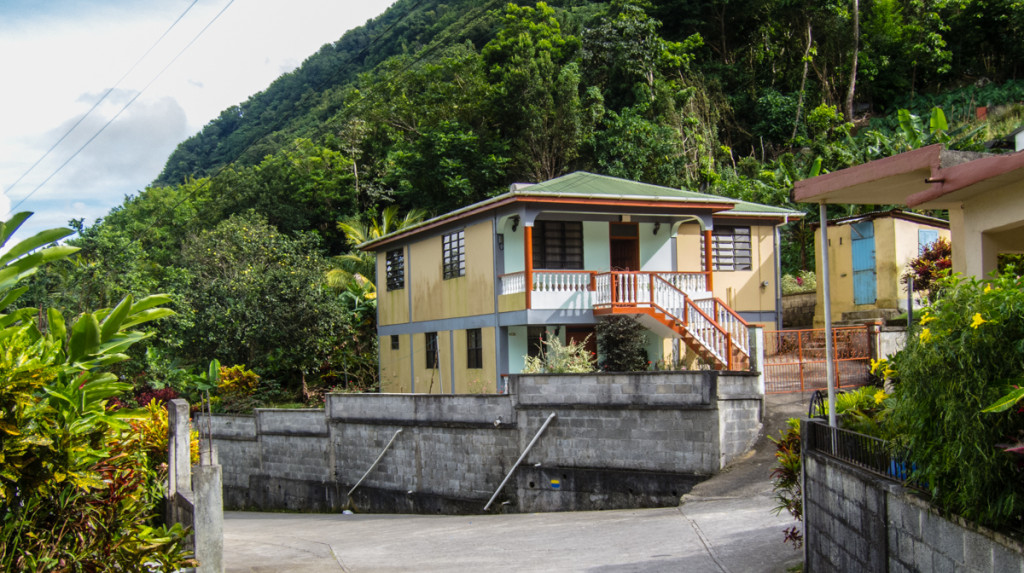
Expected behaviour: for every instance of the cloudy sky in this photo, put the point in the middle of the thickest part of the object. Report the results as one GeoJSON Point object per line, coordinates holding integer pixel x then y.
{"type": "Point", "coordinates": [59, 57]}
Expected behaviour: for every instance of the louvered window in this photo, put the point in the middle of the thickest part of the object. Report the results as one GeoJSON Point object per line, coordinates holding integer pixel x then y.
{"type": "Point", "coordinates": [395, 268]}
{"type": "Point", "coordinates": [558, 245]}
{"type": "Point", "coordinates": [730, 249]}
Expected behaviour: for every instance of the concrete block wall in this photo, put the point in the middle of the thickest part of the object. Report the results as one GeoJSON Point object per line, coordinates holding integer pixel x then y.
{"type": "Point", "coordinates": [856, 521]}
{"type": "Point", "coordinates": [637, 437]}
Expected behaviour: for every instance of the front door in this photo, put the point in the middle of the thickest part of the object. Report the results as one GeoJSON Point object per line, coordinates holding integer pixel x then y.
{"type": "Point", "coordinates": [863, 248]}
{"type": "Point", "coordinates": [624, 247]}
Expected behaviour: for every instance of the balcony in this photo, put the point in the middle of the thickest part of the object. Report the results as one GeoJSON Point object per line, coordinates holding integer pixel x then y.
{"type": "Point", "coordinates": [671, 304]}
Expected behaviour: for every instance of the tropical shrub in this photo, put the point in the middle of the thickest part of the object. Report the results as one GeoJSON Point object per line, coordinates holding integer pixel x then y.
{"type": "Point", "coordinates": [786, 480]}
{"type": "Point", "coordinates": [801, 282]}
{"type": "Point", "coordinates": [969, 346]}
{"type": "Point", "coordinates": [934, 263]}
{"type": "Point", "coordinates": [558, 358]}
{"type": "Point", "coordinates": [621, 342]}
{"type": "Point", "coordinates": [75, 495]}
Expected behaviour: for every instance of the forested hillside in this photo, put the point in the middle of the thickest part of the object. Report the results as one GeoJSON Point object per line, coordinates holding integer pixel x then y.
{"type": "Point", "coordinates": [437, 104]}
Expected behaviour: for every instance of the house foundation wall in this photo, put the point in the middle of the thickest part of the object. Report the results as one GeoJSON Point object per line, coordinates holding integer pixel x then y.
{"type": "Point", "coordinates": [616, 441]}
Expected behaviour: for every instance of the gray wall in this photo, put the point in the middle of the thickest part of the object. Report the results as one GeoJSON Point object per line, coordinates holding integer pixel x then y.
{"type": "Point", "coordinates": [857, 521]}
{"type": "Point", "coordinates": [618, 440]}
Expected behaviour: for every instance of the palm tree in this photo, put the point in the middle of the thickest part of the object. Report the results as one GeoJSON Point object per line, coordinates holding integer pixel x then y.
{"type": "Point", "coordinates": [360, 266]}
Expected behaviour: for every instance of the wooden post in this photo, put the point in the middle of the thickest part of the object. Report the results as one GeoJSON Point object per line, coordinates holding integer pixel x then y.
{"type": "Point", "coordinates": [528, 234]}
{"type": "Point", "coordinates": [708, 260]}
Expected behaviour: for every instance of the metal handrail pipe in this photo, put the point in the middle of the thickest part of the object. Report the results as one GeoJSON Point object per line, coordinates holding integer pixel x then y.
{"type": "Point", "coordinates": [375, 462]}
{"type": "Point", "coordinates": [529, 447]}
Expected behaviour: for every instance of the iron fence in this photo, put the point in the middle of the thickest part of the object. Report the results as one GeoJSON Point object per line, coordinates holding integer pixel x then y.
{"type": "Point", "coordinates": [866, 452]}
{"type": "Point", "coordinates": [795, 359]}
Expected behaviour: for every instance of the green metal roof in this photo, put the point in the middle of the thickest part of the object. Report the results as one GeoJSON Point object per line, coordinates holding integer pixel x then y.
{"type": "Point", "coordinates": [583, 184]}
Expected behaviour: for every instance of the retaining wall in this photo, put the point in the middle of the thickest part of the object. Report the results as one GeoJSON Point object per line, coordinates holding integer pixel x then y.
{"type": "Point", "coordinates": [617, 440]}
{"type": "Point", "coordinates": [857, 521]}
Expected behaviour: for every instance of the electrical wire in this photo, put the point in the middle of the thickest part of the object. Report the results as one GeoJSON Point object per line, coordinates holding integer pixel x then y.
{"type": "Point", "coordinates": [123, 108]}
{"type": "Point", "coordinates": [102, 98]}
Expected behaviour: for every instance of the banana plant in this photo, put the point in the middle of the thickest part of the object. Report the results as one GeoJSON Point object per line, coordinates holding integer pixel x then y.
{"type": "Point", "coordinates": [97, 340]}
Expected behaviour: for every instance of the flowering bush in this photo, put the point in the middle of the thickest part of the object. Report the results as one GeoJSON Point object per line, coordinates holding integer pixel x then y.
{"type": "Point", "coordinates": [969, 346]}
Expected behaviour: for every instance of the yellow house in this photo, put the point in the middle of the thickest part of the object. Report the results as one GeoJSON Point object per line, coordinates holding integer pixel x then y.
{"type": "Point", "coordinates": [867, 256]}
{"type": "Point", "coordinates": [463, 298]}
{"type": "Point", "coordinates": [983, 194]}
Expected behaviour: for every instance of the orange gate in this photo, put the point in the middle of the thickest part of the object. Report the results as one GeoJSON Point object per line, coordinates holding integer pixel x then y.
{"type": "Point", "coordinates": [795, 359]}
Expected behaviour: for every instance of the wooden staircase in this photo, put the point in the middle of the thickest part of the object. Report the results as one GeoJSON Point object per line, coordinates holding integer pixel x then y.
{"type": "Point", "coordinates": [711, 329]}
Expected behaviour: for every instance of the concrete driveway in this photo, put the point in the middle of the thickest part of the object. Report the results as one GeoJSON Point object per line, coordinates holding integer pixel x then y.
{"type": "Point", "coordinates": [724, 525]}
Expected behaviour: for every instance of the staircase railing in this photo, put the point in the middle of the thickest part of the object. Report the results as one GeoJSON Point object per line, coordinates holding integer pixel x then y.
{"type": "Point", "coordinates": [678, 306]}
{"type": "Point", "coordinates": [729, 320]}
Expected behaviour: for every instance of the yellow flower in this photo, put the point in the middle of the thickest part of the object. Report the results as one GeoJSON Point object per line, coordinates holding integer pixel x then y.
{"type": "Point", "coordinates": [879, 396]}
{"type": "Point", "coordinates": [988, 288]}
{"type": "Point", "coordinates": [926, 335]}
{"type": "Point", "coordinates": [370, 295]}
{"type": "Point", "coordinates": [889, 373]}
{"type": "Point", "coordinates": [978, 321]}
{"type": "Point", "coordinates": [877, 366]}
{"type": "Point", "coordinates": [927, 318]}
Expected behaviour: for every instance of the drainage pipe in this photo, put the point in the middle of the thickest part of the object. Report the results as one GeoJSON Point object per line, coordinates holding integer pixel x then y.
{"type": "Point", "coordinates": [375, 462]}
{"type": "Point", "coordinates": [529, 447]}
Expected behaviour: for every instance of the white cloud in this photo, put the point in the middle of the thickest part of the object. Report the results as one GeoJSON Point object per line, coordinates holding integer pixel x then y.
{"type": "Point", "coordinates": [67, 58]}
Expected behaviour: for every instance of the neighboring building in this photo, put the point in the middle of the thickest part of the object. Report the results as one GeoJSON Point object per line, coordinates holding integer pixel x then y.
{"type": "Point", "coordinates": [868, 255]}
{"type": "Point", "coordinates": [455, 311]}
{"type": "Point", "coordinates": [983, 193]}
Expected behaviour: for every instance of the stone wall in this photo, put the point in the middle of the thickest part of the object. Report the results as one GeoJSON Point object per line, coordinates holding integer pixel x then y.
{"type": "Point", "coordinates": [857, 521]}
{"type": "Point", "coordinates": [798, 310]}
{"type": "Point", "coordinates": [617, 440]}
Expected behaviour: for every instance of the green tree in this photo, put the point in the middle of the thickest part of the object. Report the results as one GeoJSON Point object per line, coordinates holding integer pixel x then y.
{"type": "Point", "coordinates": [257, 297]}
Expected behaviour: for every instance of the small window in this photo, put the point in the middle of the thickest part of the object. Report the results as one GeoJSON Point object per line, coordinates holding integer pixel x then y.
{"type": "Point", "coordinates": [394, 342]}
{"type": "Point", "coordinates": [431, 349]}
{"type": "Point", "coordinates": [395, 268]}
{"type": "Point", "coordinates": [730, 249]}
{"type": "Point", "coordinates": [454, 250]}
{"type": "Point", "coordinates": [474, 348]}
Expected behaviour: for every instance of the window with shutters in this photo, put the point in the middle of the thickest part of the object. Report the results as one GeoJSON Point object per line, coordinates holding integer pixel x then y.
{"type": "Point", "coordinates": [453, 247]}
{"type": "Point", "coordinates": [558, 245]}
{"type": "Point", "coordinates": [730, 249]}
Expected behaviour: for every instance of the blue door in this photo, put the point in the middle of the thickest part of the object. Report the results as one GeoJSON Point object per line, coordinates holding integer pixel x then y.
{"type": "Point", "coordinates": [863, 247]}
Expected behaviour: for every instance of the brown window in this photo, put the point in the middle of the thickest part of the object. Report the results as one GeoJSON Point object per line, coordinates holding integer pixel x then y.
{"type": "Point", "coordinates": [558, 245]}
{"type": "Point", "coordinates": [474, 348]}
{"type": "Point", "coordinates": [730, 249]}
{"type": "Point", "coordinates": [395, 267]}
{"type": "Point", "coordinates": [453, 248]}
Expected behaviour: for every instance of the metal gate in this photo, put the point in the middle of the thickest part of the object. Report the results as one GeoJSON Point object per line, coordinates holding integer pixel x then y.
{"type": "Point", "coordinates": [795, 359]}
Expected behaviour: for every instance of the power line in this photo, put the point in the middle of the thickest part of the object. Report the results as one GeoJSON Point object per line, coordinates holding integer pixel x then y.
{"type": "Point", "coordinates": [130, 102]}
{"type": "Point", "coordinates": [102, 98]}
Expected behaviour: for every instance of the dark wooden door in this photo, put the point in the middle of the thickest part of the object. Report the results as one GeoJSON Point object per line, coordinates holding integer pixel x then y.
{"type": "Point", "coordinates": [624, 247]}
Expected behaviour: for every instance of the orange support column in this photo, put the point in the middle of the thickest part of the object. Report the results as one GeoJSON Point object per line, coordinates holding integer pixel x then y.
{"type": "Point", "coordinates": [708, 260]}
{"type": "Point", "coordinates": [528, 233]}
